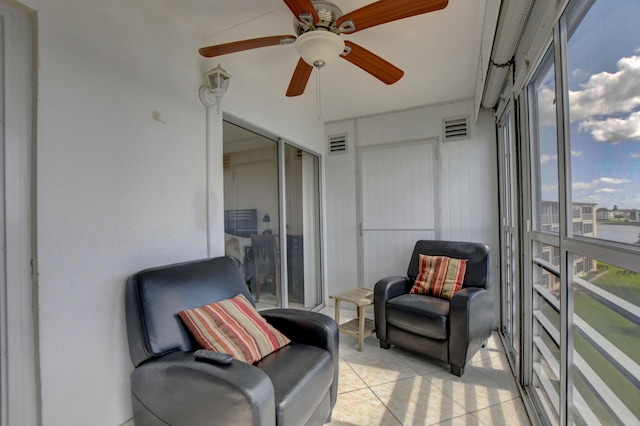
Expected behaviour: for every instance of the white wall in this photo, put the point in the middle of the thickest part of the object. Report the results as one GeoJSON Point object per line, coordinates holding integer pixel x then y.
{"type": "Point", "coordinates": [118, 191]}
{"type": "Point", "coordinates": [468, 189]}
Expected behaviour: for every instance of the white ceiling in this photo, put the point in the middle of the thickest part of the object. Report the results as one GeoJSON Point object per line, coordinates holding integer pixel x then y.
{"type": "Point", "coordinates": [439, 53]}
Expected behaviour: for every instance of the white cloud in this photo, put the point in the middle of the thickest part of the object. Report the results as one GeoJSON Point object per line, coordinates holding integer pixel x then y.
{"type": "Point", "coordinates": [608, 190]}
{"type": "Point", "coordinates": [635, 155]}
{"type": "Point", "coordinates": [545, 158]}
{"type": "Point", "coordinates": [546, 106]}
{"type": "Point", "coordinates": [613, 129]}
{"type": "Point", "coordinates": [605, 104]}
{"type": "Point", "coordinates": [576, 153]}
{"type": "Point", "coordinates": [613, 181]}
{"type": "Point", "coordinates": [594, 183]}
{"type": "Point", "coordinates": [608, 93]}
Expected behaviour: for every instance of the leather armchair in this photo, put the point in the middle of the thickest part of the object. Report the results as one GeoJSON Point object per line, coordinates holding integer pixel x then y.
{"type": "Point", "coordinates": [296, 385]}
{"type": "Point", "coordinates": [450, 331]}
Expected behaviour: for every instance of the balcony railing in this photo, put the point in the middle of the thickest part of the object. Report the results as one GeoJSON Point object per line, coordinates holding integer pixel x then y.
{"type": "Point", "coordinates": [598, 386]}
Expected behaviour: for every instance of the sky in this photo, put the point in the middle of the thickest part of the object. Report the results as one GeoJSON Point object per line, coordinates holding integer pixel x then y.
{"type": "Point", "coordinates": [603, 71]}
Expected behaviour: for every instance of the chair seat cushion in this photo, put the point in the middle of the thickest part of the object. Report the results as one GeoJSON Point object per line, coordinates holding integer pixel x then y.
{"type": "Point", "coordinates": [301, 377]}
{"type": "Point", "coordinates": [423, 315]}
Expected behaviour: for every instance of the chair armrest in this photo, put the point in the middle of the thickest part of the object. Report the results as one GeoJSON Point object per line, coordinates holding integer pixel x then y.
{"type": "Point", "coordinates": [385, 289]}
{"type": "Point", "coordinates": [471, 322]}
{"type": "Point", "coordinates": [309, 328]}
{"type": "Point", "coordinates": [182, 391]}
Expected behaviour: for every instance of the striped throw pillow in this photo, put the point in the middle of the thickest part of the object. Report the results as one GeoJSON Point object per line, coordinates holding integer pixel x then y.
{"type": "Point", "coordinates": [235, 327]}
{"type": "Point", "coordinates": [439, 276]}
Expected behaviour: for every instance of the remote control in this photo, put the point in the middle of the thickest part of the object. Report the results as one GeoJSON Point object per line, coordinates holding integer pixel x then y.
{"type": "Point", "coordinates": [213, 356]}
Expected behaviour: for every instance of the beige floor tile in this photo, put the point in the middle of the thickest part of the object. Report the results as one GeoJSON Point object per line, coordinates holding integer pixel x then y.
{"type": "Point", "coordinates": [378, 367]}
{"type": "Point", "coordinates": [474, 390]}
{"type": "Point", "coordinates": [510, 413]}
{"type": "Point", "coordinates": [494, 342]}
{"type": "Point", "coordinates": [415, 401]}
{"type": "Point", "coordinates": [361, 408]}
{"type": "Point", "coordinates": [397, 387]}
{"type": "Point", "coordinates": [498, 369]}
{"type": "Point", "coordinates": [466, 420]}
{"type": "Point", "coordinates": [348, 380]}
{"type": "Point", "coordinates": [349, 345]}
{"type": "Point", "coordinates": [422, 364]}
{"type": "Point", "coordinates": [484, 355]}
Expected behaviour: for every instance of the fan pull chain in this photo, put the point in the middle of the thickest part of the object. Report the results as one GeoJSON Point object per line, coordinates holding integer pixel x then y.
{"type": "Point", "coordinates": [318, 94]}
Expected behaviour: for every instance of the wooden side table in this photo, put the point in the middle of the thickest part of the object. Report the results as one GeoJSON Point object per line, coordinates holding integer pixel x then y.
{"type": "Point", "coordinates": [359, 327]}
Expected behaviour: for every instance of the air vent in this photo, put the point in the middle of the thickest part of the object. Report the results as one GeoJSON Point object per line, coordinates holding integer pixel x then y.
{"type": "Point", "coordinates": [226, 161]}
{"type": "Point", "coordinates": [455, 129]}
{"type": "Point", "coordinates": [337, 144]}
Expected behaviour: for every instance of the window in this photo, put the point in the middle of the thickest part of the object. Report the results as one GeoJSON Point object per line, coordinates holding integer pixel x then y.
{"type": "Point", "coordinates": [604, 114]}
{"type": "Point", "coordinates": [582, 312]}
{"type": "Point", "coordinates": [576, 212]}
{"type": "Point", "coordinates": [545, 147]}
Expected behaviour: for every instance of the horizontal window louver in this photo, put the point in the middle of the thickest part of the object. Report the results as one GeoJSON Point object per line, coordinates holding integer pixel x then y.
{"type": "Point", "coordinates": [456, 128]}
{"type": "Point", "coordinates": [337, 144]}
{"type": "Point", "coordinates": [226, 161]}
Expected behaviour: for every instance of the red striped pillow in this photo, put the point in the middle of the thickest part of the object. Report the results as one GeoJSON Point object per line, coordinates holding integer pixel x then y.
{"type": "Point", "coordinates": [439, 276]}
{"type": "Point", "coordinates": [235, 327]}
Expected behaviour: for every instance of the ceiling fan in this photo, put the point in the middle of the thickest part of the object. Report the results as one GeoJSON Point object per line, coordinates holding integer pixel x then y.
{"type": "Point", "coordinates": [318, 25]}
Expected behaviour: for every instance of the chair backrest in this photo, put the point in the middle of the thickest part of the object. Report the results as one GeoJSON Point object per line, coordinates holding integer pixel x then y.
{"type": "Point", "coordinates": [477, 255]}
{"type": "Point", "coordinates": [265, 255]}
{"type": "Point", "coordinates": [154, 297]}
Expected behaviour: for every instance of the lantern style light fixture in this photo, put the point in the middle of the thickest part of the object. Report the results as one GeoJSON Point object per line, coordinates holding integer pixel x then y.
{"type": "Point", "coordinates": [218, 80]}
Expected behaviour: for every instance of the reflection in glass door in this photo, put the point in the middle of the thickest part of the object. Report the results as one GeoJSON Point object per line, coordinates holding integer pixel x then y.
{"type": "Point", "coordinates": [272, 228]}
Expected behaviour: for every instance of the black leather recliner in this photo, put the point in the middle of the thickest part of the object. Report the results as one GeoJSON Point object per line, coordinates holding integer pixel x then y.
{"type": "Point", "coordinates": [450, 331]}
{"type": "Point", "coordinates": [296, 385]}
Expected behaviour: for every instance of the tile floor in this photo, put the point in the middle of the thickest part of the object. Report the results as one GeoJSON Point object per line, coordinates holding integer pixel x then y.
{"type": "Point", "coordinates": [396, 387]}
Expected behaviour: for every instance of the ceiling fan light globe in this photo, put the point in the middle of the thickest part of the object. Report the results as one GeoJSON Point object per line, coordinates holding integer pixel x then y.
{"type": "Point", "coordinates": [319, 47]}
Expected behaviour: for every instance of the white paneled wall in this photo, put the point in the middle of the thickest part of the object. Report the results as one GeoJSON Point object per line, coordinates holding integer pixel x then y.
{"type": "Point", "coordinates": [340, 221]}
{"type": "Point", "coordinates": [466, 186]}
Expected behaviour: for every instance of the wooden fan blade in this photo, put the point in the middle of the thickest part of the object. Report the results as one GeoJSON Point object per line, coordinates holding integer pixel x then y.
{"type": "Point", "coordinates": [238, 46]}
{"type": "Point", "coordinates": [372, 63]}
{"type": "Point", "coordinates": [301, 7]}
{"type": "Point", "coordinates": [384, 11]}
{"type": "Point", "coordinates": [300, 78]}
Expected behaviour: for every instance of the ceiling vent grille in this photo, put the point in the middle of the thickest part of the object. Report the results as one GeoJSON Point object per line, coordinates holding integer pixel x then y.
{"type": "Point", "coordinates": [338, 144]}
{"type": "Point", "coordinates": [226, 161]}
{"type": "Point", "coordinates": [455, 129]}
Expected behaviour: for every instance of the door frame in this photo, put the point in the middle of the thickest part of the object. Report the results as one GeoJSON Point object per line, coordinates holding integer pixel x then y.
{"type": "Point", "coordinates": [19, 393]}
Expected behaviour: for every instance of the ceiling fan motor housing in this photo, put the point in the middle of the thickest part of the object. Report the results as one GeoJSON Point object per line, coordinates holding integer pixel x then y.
{"type": "Point", "coordinates": [328, 14]}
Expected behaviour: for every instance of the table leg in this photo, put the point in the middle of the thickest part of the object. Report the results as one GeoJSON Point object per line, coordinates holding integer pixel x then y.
{"type": "Point", "coordinates": [361, 327]}
{"type": "Point", "coordinates": [337, 314]}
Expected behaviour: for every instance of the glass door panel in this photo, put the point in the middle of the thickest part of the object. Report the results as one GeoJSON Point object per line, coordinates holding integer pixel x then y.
{"type": "Point", "coordinates": [509, 236]}
{"type": "Point", "coordinates": [252, 212]}
{"type": "Point", "coordinates": [304, 279]}
{"type": "Point", "coordinates": [276, 246]}
{"type": "Point", "coordinates": [545, 368]}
